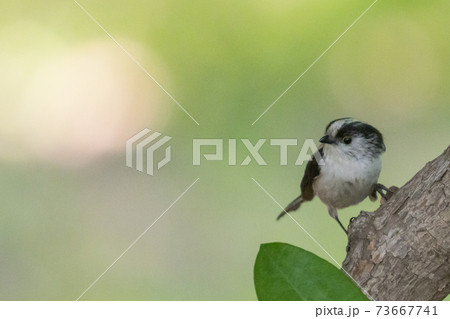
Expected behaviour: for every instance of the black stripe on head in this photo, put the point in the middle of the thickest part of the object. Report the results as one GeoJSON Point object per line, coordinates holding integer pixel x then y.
{"type": "Point", "coordinates": [362, 129]}
{"type": "Point", "coordinates": [331, 123]}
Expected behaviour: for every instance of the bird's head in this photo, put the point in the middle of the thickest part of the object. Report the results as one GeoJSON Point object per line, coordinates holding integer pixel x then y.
{"type": "Point", "coordinates": [354, 138]}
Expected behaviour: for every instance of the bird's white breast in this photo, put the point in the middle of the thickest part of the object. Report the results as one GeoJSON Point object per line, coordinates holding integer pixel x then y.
{"type": "Point", "coordinates": [344, 181]}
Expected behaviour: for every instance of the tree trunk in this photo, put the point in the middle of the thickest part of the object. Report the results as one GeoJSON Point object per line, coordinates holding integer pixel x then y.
{"type": "Point", "coordinates": [401, 251]}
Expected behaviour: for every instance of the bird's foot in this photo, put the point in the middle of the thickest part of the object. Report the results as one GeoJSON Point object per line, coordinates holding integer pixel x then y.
{"type": "Point", "coordinates": [340, 224]}
{"type": "Point", "coordinates": [388, 192]}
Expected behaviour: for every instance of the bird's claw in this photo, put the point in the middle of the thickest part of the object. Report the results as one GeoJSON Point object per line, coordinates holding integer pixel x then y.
{"type": "Point", "coordinates": [389, 192]}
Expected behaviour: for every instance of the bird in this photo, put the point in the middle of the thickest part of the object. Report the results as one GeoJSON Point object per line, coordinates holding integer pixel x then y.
{"type": "Point", "coordinates": [345, 168]}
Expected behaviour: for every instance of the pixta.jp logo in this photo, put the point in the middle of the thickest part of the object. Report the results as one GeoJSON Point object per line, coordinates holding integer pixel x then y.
{"type": "Point", "coordinates": [146, 144]}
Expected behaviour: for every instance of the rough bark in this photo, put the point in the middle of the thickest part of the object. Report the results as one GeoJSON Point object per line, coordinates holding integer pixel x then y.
{"type": "Point", "coordinates": [401, 251]}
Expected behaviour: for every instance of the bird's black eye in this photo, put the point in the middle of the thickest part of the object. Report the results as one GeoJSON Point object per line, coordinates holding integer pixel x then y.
{"type": "Point", "coordinates": [347, 140]}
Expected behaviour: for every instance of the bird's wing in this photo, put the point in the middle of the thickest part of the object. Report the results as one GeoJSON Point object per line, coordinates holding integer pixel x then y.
{"type": "Point", "coordinates": [312, 170]}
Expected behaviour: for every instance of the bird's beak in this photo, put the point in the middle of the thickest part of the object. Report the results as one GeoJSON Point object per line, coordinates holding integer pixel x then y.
{"type": "Point", "coordinates": [326, 140]}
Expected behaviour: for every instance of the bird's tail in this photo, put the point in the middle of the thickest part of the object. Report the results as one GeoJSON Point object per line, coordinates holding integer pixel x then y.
{"type": "Point", "coordinates": [294, 205]}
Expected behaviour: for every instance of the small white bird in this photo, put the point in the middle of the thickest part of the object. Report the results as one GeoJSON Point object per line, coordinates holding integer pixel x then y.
{"type": "Point", "coordinates": [348, 172]}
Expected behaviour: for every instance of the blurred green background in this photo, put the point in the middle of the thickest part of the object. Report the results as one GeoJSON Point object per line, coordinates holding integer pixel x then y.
{"type": "Point", "coordinates": [70, 98]}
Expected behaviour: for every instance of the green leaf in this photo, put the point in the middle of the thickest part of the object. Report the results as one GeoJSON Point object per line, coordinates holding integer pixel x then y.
{"type": "Point", "coordinates": [286, 272]}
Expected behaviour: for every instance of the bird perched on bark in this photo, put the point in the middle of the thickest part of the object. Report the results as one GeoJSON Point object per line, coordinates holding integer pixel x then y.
{"type": "Point", "coordinates": [345, 169]}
